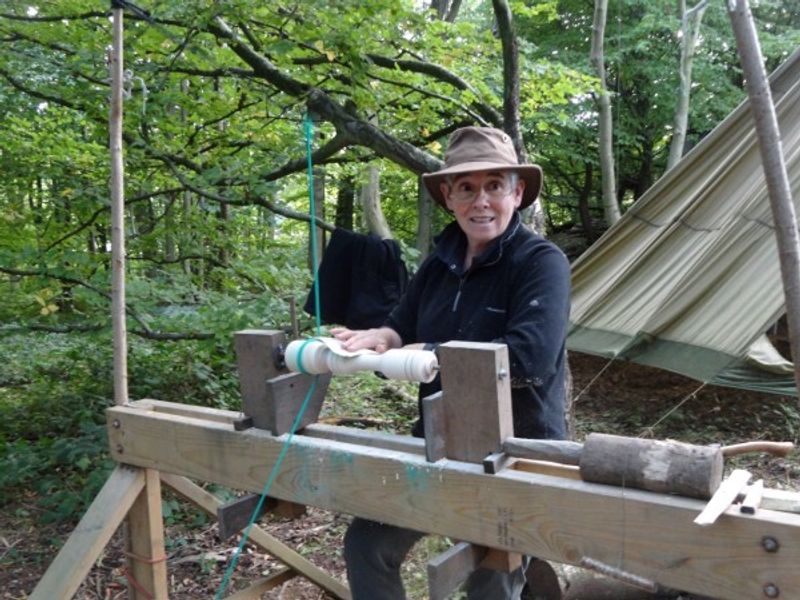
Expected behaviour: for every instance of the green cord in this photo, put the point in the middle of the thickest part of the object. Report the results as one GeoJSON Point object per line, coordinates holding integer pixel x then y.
{"type": "Point", "coordinates": [309, 131]}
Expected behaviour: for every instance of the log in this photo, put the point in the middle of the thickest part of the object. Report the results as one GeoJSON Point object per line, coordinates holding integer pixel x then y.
{"type": "Point", "coordinates": [657, 466]}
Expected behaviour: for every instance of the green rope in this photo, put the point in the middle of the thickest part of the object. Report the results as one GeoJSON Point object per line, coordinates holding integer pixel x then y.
{"type": "Point", "coordinates": [309, 131]}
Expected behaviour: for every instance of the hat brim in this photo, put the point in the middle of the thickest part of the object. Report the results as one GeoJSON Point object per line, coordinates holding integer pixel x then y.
{"type": "Point", "coordinates": [530, 174]}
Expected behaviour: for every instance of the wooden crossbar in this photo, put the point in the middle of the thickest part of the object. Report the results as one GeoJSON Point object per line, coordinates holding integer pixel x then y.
{"type": "Point", "coordinates": [555, 518]}
{"type": "Point", "coordinates": [270, 544]}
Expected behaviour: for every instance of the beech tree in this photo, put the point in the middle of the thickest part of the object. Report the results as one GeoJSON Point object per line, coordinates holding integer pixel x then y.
{"type": "Point", "coordinates": [213, 129]}
{"type": "Point", "coordinates": [606, 124]}
{"type": "Point", "coordinates": [689, 35]}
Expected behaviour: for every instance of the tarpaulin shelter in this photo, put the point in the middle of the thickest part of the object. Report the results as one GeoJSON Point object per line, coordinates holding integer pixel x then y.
{"type": "Point", "coordinates": [689, 279]}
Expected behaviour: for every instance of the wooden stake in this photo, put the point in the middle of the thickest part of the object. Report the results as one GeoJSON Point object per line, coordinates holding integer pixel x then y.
{"type": "Point", "coordinates": [117, 217]}
{"type": "Point", "coordinates": [769, 141]}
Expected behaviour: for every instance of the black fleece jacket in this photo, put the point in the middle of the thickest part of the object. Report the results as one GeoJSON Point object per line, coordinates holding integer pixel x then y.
{"type": "Point", "coordinates": [516, 293]}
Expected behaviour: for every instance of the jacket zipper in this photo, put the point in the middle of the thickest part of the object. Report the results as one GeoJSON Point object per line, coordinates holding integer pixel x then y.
{"type": "Point", "coordinates": [458, 293]}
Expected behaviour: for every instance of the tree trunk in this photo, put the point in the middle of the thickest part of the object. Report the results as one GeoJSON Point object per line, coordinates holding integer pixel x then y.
{"type": "Point", "coordinates": [777, 178]}
{"type": "Point", "coordinates": [645, 177]}
{"type": "Point", "coordinates": [690, 31]}
{"type": "Point", "coordinates": [446, 10]}
{"type": "Point", "coordinates": [605, 137]}
{"type": "Point", "coordinates": [170, 253]}
{"type": "Point", "coordinates": [187, 201]}
{"type": "Point", "coordinates": [425, 208]}
{"type": "Point", "coordinates": [319, 206]}
{"type": "Point", "coordinates": [224, 217]}
{"type": "Point", "coordinates": [583, 205]}
{"type": "Point", "coordinates": [534, 216]}
{"type": "Point", "coordinates": [344, 204]}
{"type": "Point", "coordinates": [370, 198]}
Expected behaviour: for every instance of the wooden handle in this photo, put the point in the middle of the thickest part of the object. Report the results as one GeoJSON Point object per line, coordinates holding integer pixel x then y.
{"type": "Point", "coordinates": [561, 451]}
{"type": "Point", "coordinates": [774, 448]}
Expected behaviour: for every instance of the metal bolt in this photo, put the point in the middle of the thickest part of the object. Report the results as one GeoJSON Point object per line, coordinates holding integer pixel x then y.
{"type": "Point", "coordinates": [771, 590]}
{"type": "Point", "coordinates": [502, 374]}
{"type": "Point", "coordinates": [119, 449]}
{"type": "Point", "coordinates": [770, 544]}
{"type": "Point", "coordinates": [116, 424]}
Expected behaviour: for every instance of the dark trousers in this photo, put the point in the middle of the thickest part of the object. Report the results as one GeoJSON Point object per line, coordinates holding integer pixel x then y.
{"type": "Point", "coordinates": [374, 552]}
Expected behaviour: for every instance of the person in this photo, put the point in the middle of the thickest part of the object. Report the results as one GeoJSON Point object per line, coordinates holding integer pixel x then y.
{"type": "Point", "coordinates": [489, 279]}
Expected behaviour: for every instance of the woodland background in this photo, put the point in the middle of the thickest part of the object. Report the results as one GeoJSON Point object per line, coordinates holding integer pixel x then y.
{"type": "Point", "coordinates": [216, 190]}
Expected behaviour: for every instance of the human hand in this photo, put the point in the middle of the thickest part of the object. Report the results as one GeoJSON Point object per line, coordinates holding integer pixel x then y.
{"type": "Point", "coordinates": [379, 339]}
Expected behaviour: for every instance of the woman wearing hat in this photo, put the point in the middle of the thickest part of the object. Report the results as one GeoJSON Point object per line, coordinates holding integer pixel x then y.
{"type": "Point", "coordinates": [489, 279]}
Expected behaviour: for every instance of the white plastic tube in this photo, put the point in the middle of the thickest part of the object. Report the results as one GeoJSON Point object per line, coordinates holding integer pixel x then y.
{"type": "Point", "coordinates": [315, 356]}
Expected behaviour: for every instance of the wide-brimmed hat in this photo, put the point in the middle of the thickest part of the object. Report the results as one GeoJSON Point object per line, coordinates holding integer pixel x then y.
{"type": "Point", "coordinates": [483, 149]}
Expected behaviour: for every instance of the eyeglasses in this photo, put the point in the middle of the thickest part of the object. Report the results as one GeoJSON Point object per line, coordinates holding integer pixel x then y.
{"type": "Point", "coordinates": [465, 191]}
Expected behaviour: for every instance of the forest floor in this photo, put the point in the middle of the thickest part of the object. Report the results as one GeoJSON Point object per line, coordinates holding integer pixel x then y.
{"type": "Point", "coordinates": [626, 399]}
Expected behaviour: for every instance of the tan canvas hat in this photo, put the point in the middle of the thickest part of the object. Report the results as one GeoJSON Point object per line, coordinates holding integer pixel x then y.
{"type": "Point", "coordinates": [483, 149]}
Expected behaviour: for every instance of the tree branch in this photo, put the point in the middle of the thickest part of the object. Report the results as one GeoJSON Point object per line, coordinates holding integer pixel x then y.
{"type": "Point", "coordinates": [357, 131]}
{"type": "Point", "coordinates": [145, 329]}
{"type": "Point", "coordinates": [488, 113]}
{"type": "Point", "coordinates": [184, 257]}
{"type": "Point", "coordinates": [508, 40]}
{"type": "Point", "coordinates": [103, 209]}
{"type": "Point", "coordinates": [250, 200]}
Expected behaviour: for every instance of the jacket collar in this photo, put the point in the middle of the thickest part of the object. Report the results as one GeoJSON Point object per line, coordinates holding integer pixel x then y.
{"type": "Point", "coordinates": [451, 246]}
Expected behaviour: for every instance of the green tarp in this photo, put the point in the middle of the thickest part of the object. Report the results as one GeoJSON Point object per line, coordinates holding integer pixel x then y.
{"type": "Point", "coordinates": [689, 279]}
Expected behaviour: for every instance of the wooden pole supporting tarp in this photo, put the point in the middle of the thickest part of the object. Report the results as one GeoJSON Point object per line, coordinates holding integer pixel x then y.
{"type": "Point", "coordinates": [777, 178]}
{"type": "Point", "coordinates": [554, 518]}
{"type": "Point", "coordinates": [117, 213]}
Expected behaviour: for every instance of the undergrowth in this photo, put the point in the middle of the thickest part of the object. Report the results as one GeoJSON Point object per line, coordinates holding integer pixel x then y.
{"type": "Point", "coordinates": [54, 390]}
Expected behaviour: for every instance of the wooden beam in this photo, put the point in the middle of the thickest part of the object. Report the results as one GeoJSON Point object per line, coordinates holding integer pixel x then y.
{"type": "Point", "coordinates": [265, 584]}
{"type": "Point", "coordinates": [498, 560]}
{"type": "Point", "coordinates": [256, 354]}
{"type": "Point", "coordinates": [476, 388]}
{"type": "Point", "coordinates": [271, 396]}
{"type": "Point", "coordinates": [554, 518]}
{"type": "Point", "coordinates": [70, 567]}
{"type": "Point", "coordinates": [366, 437]}
{"type": "Point", "coordinates": [476, 416]}
{"type": "Point", "coordinates": [189, 410]}
{"type": "Point", "coordinates": [147, 557]}
{"type": "Point", "coordinates": [235, 515]}
{"type": "Point", "coordinates": [451, 568]}
{"type": "Point", "coordinates": [543, 467]}
{"type": "Point", "coordinates": [782, 500]}
{"type": "Point", "coordinates": [285, 395]}
{"type": "Point", "coordinates": [435, 426]}
{"type": "Point", "coordinates": [209, 503]}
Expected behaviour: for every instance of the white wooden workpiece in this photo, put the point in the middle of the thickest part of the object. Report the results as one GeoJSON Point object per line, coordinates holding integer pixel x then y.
{"type": "Point", "coordinates": [649, 534]}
